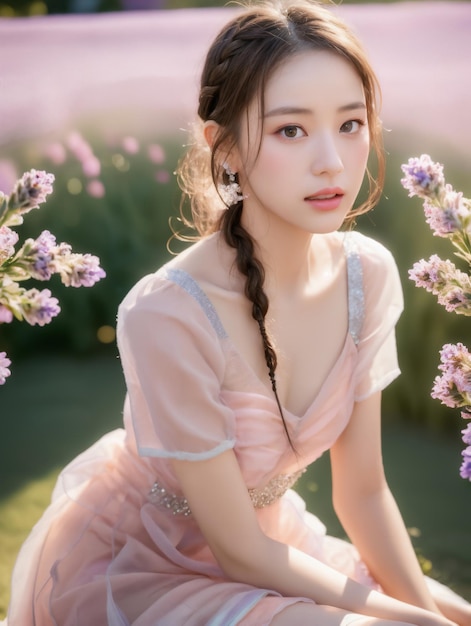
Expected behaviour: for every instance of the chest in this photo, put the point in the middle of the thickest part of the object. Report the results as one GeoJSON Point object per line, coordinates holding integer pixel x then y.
{"type": "Point", "coordinates": [307, 334]}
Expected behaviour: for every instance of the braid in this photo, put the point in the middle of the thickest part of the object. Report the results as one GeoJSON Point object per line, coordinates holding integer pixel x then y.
{"type": "Point", "coordinates": [249, 266]}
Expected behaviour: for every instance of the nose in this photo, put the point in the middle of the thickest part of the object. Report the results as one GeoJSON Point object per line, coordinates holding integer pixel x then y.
{"type": "Point", "coordinates": [326, 159]}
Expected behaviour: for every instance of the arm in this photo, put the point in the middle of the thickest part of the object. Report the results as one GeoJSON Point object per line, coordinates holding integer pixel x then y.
{"type": "Point", "coordinates": [220, 503]}
{"type": "Point", "coordinates": [368, 511]}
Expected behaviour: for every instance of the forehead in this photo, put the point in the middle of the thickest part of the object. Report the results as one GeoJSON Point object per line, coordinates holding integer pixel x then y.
{"type": "Point", "coordinates": [313, 77]}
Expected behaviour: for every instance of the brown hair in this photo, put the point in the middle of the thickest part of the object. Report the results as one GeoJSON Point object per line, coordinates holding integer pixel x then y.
{"type": "Point", "coordinates": [238, 65]}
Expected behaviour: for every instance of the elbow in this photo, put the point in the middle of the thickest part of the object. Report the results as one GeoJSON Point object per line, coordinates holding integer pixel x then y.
{"type": "Point", "coordinates": [347, 502]}
{"type": "Point", "coordinates": [250, 565]}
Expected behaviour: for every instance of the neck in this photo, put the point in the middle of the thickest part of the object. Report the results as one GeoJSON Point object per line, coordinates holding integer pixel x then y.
{"type": "Point", "coordinates": [285, 253]}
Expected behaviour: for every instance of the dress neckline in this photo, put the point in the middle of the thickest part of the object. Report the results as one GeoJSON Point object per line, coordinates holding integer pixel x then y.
{"type": "Point", "coordinates": [355, 318]}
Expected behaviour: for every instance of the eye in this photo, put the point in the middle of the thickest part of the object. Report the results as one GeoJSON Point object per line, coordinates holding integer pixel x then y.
{"type": "Point", "coordinates": [291, 132]}
{"type": "Point", "coordinates": [352, 126]}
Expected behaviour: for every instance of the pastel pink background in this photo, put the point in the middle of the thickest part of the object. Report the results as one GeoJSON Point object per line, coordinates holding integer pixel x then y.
{"type": "Point", "coordinates": [139, 70]}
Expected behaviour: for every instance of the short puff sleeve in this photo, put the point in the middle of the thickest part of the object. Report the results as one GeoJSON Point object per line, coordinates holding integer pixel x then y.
{"type": "Point", "coordinates": [377, 364]}
{"type": "Point", "coordinates": [174, 365]}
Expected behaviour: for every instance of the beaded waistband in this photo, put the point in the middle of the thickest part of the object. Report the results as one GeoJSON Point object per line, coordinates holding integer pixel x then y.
{"type": "Point", "coordinates": [273, 490]}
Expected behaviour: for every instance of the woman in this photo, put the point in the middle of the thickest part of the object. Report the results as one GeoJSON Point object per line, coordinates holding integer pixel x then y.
{"type": "Point", "coordinates": [246, 357]}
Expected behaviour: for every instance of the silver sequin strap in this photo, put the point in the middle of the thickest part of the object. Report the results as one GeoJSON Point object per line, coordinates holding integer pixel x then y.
{"type": "Point", "coordinates": [356, 298]}
{"type": "Point", "coordinates": [273, 490]}
{"type": "Point", "coordinates": [189, 284]}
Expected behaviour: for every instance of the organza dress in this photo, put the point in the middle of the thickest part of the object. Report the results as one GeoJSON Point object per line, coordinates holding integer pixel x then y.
{"type": "Point", "coordinates": [119, 545]}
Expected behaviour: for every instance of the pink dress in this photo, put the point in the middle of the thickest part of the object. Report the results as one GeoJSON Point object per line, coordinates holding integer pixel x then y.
{"type": "Point", "coordinates": [118, 545]}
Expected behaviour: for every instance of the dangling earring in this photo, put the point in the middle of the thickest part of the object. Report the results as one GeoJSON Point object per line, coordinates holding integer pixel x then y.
{"type": "Point", "coordinates": [230, 193]}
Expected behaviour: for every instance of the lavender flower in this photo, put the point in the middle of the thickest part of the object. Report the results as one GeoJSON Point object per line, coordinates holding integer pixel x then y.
{"type": "Point", "coordinates": [433, 275]}
{"type": "Point", "coordinates": [38, 307]}
{"type": "Point", "coordinates": [30, 191]}
{"type": "Point", "coordinates": [449, 214]}
{"type": "Point", "coordinates": [423, 177]}
{"type": "Point", "coordinates": [465, 469]}
{"type": "Point", "coordinates": [467, 435]}
{"type": "Point", "coordinates": [8, 240]}
{"type": "Point", "coordinates": [4, 365]}
{"type": "Point", "coordinates": [35, 259]}
{"type": "Point", "coordinates": [80, 270]}
{"type": "Point", "coordinates": [456, 299]}
{"type": "Point", "coordinates": [445, 280]}
{"type": "Point", "coordinates": [453, 386]}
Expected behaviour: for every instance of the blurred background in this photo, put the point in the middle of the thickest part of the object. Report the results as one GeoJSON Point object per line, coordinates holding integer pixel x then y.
{"type": "Point", "coordinates": [102, 94]}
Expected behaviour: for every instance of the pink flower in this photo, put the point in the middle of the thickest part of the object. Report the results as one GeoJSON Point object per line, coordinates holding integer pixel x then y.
{"type": "Point", "coordinates": [4, 365]}
{"type": "Point", "coordinates": [91, 166]}
{"type": "Point", "coordinates": [162, 176]}
{"type": "Point", "coordinates": [8, 175]}
{"type": "Point", "coordinates": [79, 147]}
{"type": "Point", "coordinates": [96, 189]}
{"type": "Point", "coordinates": [130, 145]}
{"type": "Point", "coordinates": [156, 153]}
{"type": "Point", "coordinates": [55, 152]}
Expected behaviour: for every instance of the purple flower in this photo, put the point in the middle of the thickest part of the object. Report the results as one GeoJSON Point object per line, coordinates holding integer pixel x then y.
{"type": "Point", "coordinates": [38, 307]}
{"type": "Point", "coordinates": [466, 413]}
{"type": "Point", "coordinates": [42, 267]}
{"type": "Point", "coordinates": [467, 435]}
{"type": "Point", "coordinates": [6, 316]}
{"type": "Point", "coordinates": [4, 365]}
{"type": "Point", "coordinates": [465, 469]}
{"type": "Point", "coordinates": [433, 274]}
{"type": "Point", "coordinates": [30, 191]}
{"type": "Point", "coordinates": [455, 300]}
{"type": "Point", "coordinates": [36, 257]}
{"type": "Point", "coordinates": [8, 240]}
{"type": "Point", "coordinates": [448, 213]}
{"type": "Point", "coordinates": [453, 387]}
{"type": "Point", "coordinates": [80, 270]}
{"type": "Point", "coordinates": [423, 177]}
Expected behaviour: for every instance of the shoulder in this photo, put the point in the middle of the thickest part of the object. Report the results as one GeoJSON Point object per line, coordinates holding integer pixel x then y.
{"type": "Point", "coordinates": [381, 282]}
{"type": "Point", "coordinates": [169, 302]}
{"type": "Point", "coordinates": [377, 263]}
{"type": "Point", "coordinates": [370, 250]}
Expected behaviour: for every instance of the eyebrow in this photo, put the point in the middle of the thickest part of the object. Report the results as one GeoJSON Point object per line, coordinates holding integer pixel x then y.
{"type": "Point", "coordinates": [290, 110]}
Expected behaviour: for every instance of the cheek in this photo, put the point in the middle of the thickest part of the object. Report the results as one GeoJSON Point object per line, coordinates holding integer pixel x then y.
{"type": "Point", "coordinates": [272, 159]}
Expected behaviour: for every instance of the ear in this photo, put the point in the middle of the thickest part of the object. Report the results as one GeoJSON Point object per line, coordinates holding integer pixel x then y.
{"type": "Point", "coordinates": [211, 130]}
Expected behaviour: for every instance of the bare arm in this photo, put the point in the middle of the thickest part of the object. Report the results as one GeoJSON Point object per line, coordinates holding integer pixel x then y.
{"type": "Point", "coordinates": [368, 511]}
{"type": "Point", "coordinates": [222, 507]}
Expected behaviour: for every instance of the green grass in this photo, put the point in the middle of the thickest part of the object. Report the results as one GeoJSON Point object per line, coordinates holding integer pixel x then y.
{"type": "Point", "coordinates": [54, 406]}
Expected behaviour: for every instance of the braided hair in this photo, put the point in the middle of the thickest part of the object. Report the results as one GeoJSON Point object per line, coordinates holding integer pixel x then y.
{"type": "Point", "coordinates": [237, 68]}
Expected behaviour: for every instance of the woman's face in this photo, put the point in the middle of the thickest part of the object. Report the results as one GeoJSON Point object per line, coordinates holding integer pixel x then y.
{"type": "Point", "coordinates": [314, 145]}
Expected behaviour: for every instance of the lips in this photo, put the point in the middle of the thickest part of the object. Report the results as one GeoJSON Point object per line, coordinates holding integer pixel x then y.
{"type": "Point", "coordinates": [326, 199]}
{"type": "Point", "coordinates": [327, 194]}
